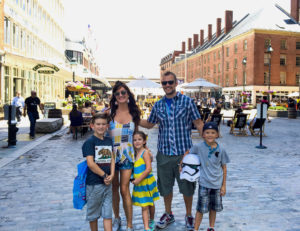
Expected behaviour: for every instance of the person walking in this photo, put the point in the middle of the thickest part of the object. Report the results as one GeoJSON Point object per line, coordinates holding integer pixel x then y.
{"type": "Point", "coordinates": [31, 104]}
{"type": "Point", "coordinates": [18, 101]}
{"type": "Point", "coordinates": [175, 114]}
{"type": "Point", "coordinates": [125, 118]}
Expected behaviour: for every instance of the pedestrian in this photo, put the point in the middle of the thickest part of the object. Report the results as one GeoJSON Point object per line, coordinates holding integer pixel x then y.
{"type": "Point", "coordinates": [76, 120]}
{"type": "Point", "coordinates": [175, 114]}
{"type": "Point", "coordinates": [31, 104]}
{"type": "Point", "coordinates": [144, 190]}
{"type": "Point", "coordinates": [101, 168]}
{"type": "Point", "coordinates": [125, 118]}
{"type": "Point", "coordinates": [213, 171]}
{"type": "Point", "coordinates": [18, 101]}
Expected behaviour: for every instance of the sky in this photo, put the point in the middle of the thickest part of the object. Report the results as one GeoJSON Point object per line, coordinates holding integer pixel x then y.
{"type": "Point", "coordinates": [133, 35]}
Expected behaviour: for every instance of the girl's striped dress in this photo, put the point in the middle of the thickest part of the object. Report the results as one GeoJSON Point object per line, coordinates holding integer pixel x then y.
{"type": "Point", "coordinates": [145, 193]}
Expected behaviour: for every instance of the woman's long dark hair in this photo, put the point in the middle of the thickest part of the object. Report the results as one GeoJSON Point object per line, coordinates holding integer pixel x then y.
{"type": "Point", "coordinates": [133, 108]}
{"type": "Point", "coordinates": [74, 112]}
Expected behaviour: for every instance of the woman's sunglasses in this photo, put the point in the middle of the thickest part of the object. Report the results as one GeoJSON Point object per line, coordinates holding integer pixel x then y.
{"type": "Point", "coordinates": [120, 93]}
{"type": "Point", "coordinates": [164, 83]}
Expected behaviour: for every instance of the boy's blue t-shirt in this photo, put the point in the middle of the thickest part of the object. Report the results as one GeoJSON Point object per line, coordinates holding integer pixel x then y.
{"type": "Point", "coordinates": [211, 160]}
{"type": "Point", "coordinates": [102, 152]}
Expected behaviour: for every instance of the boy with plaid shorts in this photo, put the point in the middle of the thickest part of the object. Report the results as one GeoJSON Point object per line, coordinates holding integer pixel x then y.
{"type": "Point", "coordinates": [212, 183]}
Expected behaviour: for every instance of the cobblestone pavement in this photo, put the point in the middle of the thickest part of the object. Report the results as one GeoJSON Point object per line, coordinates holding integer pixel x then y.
{"type": "Point", "coordinates": [263, 187]}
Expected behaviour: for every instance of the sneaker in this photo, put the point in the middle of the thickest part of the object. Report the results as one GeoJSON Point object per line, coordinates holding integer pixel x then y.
{"type": "Point", "coordinates": [152, 225]}
{"type": "Point", "coordinates": [116, 224]}
{"type": "Point", "coordinates": [189, 223]}
{"type": "Point", "coordinates": [165, 220]}
{"type": "Point", "coordinates": [210, 229]}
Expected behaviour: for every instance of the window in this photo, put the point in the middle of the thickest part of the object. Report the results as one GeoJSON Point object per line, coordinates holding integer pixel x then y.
{"type": "Point", "coordinates": [227, 51]}
{"type": "Point", "coordinates": [266, 77]}
{"type": "Point", "coordinates": [208, 70]}
{"type": "Point", "coordinates": [298, 78]}
{"type": "Point", "coordinates": [283, 44]}
{"type": "Point", "coordinates": [267, 43]}
{"type": "Point", "coordinates": [17, 37]}
{"type": "Point", "coordinates": [298, 61]}
{"type": "Point", "coordinates": [6, 31]}
{"type": "Point", "coordinates": [219, 67]}
{"type": "Point", "coordinates": [227, 80]}
{"type": "Point", "coordinates": [245, 45]}
{"type": "Point", "coordinates": [219, 54]}
{"type": "Point", "coordinates": [215, 68]}
{"type": "Point", "coordinates": [227, 66]}
{"type": "Point", "coordinates": [204, 71]}
{"type": "Point", "coordinates": [282, 78]}
{"type": "Point", "coordinates": [235, 48]}
{"type": "Point", "coordinates": [282, 60]}
{"type": "Point", "coordinates": [219, 81]}
{"type": "Point", "coordinates": [235, 63]}
{"type": "Point", "coordinates": [298, 45]}
{"type": "Point", "coordinates": [215, 56]}
{"type": "Point", "coordinates": [204, 59]}
{"type": "Point", "coordinates": [15, 72]}
{"type": "Point", "coordinates": [235, 79]}
{"type": "Point", "coordinates": [266, 58]}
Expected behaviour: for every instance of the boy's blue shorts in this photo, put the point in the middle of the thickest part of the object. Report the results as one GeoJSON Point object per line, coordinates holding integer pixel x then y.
{"type": "Point", "coordinates": [209, 199]}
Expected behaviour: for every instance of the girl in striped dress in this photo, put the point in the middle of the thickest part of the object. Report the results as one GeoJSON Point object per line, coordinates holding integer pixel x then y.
{"type": "Point", "coordinates": [144, 191]}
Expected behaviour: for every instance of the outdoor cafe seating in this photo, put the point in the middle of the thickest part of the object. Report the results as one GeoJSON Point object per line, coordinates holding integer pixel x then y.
{"type": "Point", "coordinates": [254, 127]}
{"type": "Point", "coordinates": [239, 125]}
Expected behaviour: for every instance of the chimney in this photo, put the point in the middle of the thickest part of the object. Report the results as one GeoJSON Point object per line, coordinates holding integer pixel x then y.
{"type": "Point", "coordinates": [295, 9]}
{"type": "Point", "coordinates": [201, 37]}
{"type": "Point", "coordinates": [189, 44]}
{"type": "Point", "coordinates": [183, 48]}
{"type": "Point", "coordinates": [218, 32]}
{"type": "Point", "coordinates": [209, 32]}
{"type": "Point", "coordinates": [196, 40]}
{"type": "Point", "coordinates": [228, 21]}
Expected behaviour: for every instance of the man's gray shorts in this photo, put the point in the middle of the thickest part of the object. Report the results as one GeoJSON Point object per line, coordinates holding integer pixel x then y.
{"type": "Point", "coordinates": [167, 172]}
{"type": "Point", "coordinates": [98, 201]}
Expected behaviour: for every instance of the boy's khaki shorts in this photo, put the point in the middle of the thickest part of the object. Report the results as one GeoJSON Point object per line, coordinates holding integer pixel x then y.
{"type": "Point", "coordinates": [167, 172]}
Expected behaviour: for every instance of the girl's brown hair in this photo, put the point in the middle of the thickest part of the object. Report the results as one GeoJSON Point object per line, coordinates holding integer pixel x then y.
{"type": "Point", "coordinates": [142, 134]}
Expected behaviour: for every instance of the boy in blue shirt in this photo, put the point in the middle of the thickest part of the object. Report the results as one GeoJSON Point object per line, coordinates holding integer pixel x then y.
{"type": "Point", "coordinates": [101, 168]}
{"type": "Point", "coordinates": [213, 171]}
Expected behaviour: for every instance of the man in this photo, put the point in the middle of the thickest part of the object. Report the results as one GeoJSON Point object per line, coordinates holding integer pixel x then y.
{"type": "Point", "coordinates": [31, 104]}
{"type": "Point", "coordinates": [174, 113]}
{"type": "Point", "coordinates": [18, 101]}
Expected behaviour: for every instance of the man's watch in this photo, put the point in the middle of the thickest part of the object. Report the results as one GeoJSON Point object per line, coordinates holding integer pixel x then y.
{"type": "Point", "coordinates": [104, 176]}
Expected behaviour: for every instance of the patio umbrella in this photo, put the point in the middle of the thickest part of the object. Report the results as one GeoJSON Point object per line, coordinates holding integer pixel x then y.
{"type": "Point", "coordinates": [201, 84]}
{"type": "Point", "coordinates": [144, 86]}
{"type": "Point", "coordinates": [294, 94]}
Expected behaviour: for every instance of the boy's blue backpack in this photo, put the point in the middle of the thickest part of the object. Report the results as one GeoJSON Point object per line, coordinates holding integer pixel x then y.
{"type": "Point", "coordinates": [79, 186]}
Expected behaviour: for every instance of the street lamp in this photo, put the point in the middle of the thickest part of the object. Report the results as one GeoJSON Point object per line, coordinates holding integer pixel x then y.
{"type": "Point", "coordinates": [244, 62]}
{"type": "Point", "coordinates": [269, 51]}
{"type": "Point", "coordinates": [73, 64]}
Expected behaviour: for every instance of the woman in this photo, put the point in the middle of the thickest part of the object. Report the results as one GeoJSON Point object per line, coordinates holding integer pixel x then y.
{"type": "Point", "coordinates": [76, 119]}
{"type": "Point", "coordinates": [125, 116]}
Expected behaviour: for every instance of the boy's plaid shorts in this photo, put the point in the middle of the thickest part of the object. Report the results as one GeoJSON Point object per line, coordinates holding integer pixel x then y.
{"type": "Point", "coordinates": [209, 199]}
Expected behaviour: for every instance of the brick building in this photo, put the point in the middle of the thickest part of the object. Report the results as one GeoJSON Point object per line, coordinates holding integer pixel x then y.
{"type": "Point", "coordinates": [237, 56]}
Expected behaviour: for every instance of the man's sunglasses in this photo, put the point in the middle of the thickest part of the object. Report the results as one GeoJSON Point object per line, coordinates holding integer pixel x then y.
{"type": "Point", "coordinates": [120, 93]}
{"type": "Point", "coordinates": [164, 83]}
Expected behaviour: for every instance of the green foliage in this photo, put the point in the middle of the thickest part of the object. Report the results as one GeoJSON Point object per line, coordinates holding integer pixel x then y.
{"type": "Point", "coordinates": [278, 108]}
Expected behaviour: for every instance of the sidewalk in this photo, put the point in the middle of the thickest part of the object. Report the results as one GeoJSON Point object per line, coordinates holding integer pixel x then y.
{"type": "Point", "coordinates": [24, 143]}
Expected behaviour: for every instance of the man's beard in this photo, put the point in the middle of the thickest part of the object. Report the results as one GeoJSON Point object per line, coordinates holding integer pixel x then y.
{"type": "Point", "coordinates": [171, 93]}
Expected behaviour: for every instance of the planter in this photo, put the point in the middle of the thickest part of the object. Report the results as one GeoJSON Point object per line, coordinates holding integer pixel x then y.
{"type": "Point", "coordinates": [274, 113]}
{"type": "Point", "coordinates": [292, 113]}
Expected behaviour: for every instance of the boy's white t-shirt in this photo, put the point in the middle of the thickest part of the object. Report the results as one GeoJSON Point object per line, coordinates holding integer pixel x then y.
{"type": "Point", "coordinates": [211, 172]}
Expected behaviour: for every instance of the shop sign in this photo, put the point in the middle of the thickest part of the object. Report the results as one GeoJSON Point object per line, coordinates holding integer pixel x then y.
{"type": "Point", "coordinates": [45, 72]}
{"type": "Point", "coordinates": [38, 66]}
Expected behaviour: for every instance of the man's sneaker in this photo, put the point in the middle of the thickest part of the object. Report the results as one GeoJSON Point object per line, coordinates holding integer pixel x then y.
{"type": "Point", "coordinates": [116, 224]}
{"type": "Point", "coordinates": [210, 229]}
{"type": "Point", "coordinates": [152, 225]}
{"type": "Point", "coordinates": [189, 223]}
{"type": "Point", "coordinates": [165, 220]}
